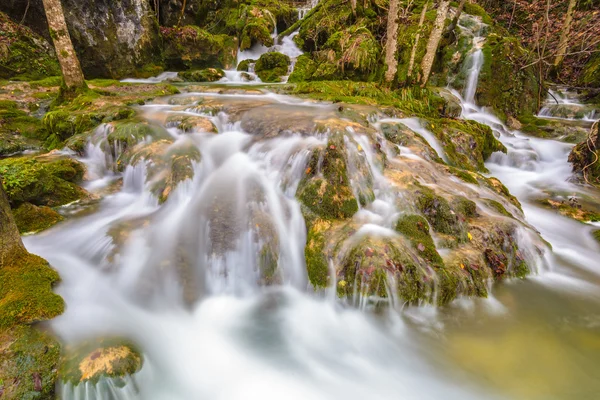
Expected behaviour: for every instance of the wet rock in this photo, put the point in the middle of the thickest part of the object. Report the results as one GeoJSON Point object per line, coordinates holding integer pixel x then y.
{"type": "Point", "coordinates": [513, 123]}
{"type": "Point", "coordinates": [585, 157]}
{"type": "Point", "coordinates": [245, 65]}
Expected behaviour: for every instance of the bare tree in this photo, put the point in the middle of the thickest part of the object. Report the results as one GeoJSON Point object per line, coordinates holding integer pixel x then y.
{"type": "Point", "coordinates": [353, 5]}
{"type": "Point", "coordinates": [391, 43]}
{"type": "Point", "coordinates": [10, 239]}
{"type": "Point", "coordinates": [564, 36]}
{"type": "Point", "coordinates": [413, 52]}
{"type": "Point", "coordinates": [69, 63]}
{"type": "Point", "coordinates": [434, 40]}
{"type": "Point", "coordinates": [459, 11]}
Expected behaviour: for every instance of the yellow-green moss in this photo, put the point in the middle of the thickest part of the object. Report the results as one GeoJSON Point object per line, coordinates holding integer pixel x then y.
{"type": "Point", "coordinates": [32, 219]}
{"type": "Point", "coordinates": [416, 229]}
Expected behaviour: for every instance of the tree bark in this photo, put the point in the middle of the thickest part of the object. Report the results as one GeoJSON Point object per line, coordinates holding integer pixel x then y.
{"type": "Point", "coordinates": [353, 5]}
{"type": "Point", "coordinates": [564, 36]}
{"type": "Point", "coordinates": [69, 63]}
{"type": "Point", "coordinates": [434, 40]}
{"type": "Point", "coordinates": [413, 52]}
{"type": "Point", "coordinates": [10, 239]}
{"type": "Point", "coordinates": [391, 44]}
{"type": "Point", "coordinates": [459, 11]}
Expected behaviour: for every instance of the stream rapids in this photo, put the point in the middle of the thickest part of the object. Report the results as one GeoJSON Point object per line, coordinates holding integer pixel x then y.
{"type": "Point", "coordinates": [221, 334]}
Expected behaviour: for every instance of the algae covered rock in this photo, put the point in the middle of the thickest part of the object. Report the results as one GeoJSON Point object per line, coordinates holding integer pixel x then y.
{"type": "Point", "coordinates": [189, 123]}
{"type": "Point", "coordinates": [202, 75]}
{"type": "Point", "coordinates": [91, 361]}
{"type": "Point", "coordinates": [271, 66]}
{"type": "Point", "coordinates": [245, 65]}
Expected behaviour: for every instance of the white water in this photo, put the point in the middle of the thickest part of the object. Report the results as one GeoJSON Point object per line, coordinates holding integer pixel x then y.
{"type": "Point", "coordinates": [237, 339]}
{"type": "Point", "coordinates": [559, 98]}
{"type": "Point", "coordinates": [165, 76]}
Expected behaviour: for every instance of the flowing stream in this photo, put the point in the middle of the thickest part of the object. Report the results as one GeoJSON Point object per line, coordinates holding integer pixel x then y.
{"type": "Point", "coordinates": [220, 334]}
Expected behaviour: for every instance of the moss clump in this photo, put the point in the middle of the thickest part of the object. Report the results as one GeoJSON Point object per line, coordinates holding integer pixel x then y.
{"type": "Point", "coordinates": [190, 47]}
{"type": "Point", "coordinates": [107, 358]}
{"type": "Point", "coordinates": [271, 66]}
{"type": "Point", "coordinates": [314, 252]}
{"type": "Point", "coordinates": [325, 188]}
{"type": "Point", "coordinates": [466, 176]}
{"type": "Point", "coordinates": [32, 219]}
{"type": "Point", "coordinates": [416, 229]}
{"type": "Point", "coordinates": [256, 32]}
{"type": "Point", "coordinates": [596, 235]}
{"type": "Point", "coordinates": [41, 182]}
{"type": "Point", "coordinates": [202, 75]}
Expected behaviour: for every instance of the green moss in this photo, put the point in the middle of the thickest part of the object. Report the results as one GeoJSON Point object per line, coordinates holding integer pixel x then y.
{"type": "Point", "coordinates": [416, 229]}
{"type": "Point", "coordinates": [257, 32]}
{"type": "Point", "coordinates": [503, 84]}
{"type": "Point", "coordinates": [304, 68]}
{"type": "Point", "coordinates": [498, 207]}
{"type": "Point", "coordinates": [26, 291]}
{"type": "Point", "coordinates": [464, 175]}
{"type": "Point", "coordinates": [32, 219]}
{"type": "Point", "coordinates": [477, 10]}
{"type": "Point", "coordinates": [28, 355]}
{"type": "Point", "coordinates": [438, 212]}
{"type": "Point", "coordinates": [190, 47]}
{"type": "Point", "coordinates": [271, 66]}
{"type": "Point", "coordinates": [314, 252]}
{"type": "Point", "coordinates": [464, 207]}
{"type": "Point", "coordinates": [245, 65]}
{"type": "Point", "coordinates": [325, 188]}
{"type": "Point", "coordinates": [39, 182]}
{"type": "Point", "coordinates": [203, 75]}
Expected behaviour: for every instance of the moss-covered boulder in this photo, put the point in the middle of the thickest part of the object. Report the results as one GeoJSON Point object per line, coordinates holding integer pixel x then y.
{"type": "Point", "coordinates": [244, 65]}
{"type": "Point", "coordinates": [19, 131]}
{"type": "Point", "coordinates": [271, 66]}
{"type": "Point", "coordinates": [202, 75]}
{"type": "Point", "coordinates": [23, 53]}
{"type": "Point", "coordinates": [42, 181]}
{"type": "Point", "coordinates": [190, 47]}
{"type": "Point", "coordinates": [31, 219]}
{"type": "Point", "coordinates": [93, 360]}
{"type": "Point", "coordinates": [304, 69]}
{"type": "Point", "coordinates": [188, 123]}
{"type": "Point", "coordinates": [29, 357]}
{"type": "Point", "coordinates": [325, 188]}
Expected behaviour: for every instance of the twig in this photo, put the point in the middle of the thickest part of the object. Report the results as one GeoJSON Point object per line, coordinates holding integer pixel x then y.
{"type": "Point", "coordinates": [593, 151]}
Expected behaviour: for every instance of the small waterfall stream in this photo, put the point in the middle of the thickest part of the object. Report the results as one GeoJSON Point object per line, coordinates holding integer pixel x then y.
{"type": "Point", "coordinates": [212, 283]}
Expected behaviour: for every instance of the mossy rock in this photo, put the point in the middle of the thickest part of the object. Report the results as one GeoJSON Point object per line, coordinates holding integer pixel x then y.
{"type": "Point", "coordinates": [190, 47]}
{"type": "Point", "coordinates": [585, 161]}
{"type": "Point", "coordinates": [25, 55]}
{"type": "Point", "coordinates": [244, 65]}
{"type": "Point", "coordinates": [202, 75]}
{"type": "Point", "coordinates": [125, 134]}
{"type": "Point", "coordinates": [304, 68]}
{"type": "Point", "coordinates": [438, 212]}
{"type": "Point", "coordinates": [325, 188]}
{"type": "Point", "coordinates": [316, 261]}
{"type": "Point", "coordinates": [42, 182]}
{"type": "Point", "coordinates": [416, 229]}
{"type": "Point", "coordinates": [31, 219]}
{"type": "Point", "coordinates": [107, 358]}
{"type": "Point", "coordinates": [271, 66]}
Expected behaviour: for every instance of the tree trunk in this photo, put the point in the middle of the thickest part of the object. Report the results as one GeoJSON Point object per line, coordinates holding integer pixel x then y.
{"type": "Point", "coordinates": [434, 40]}
{"type": "Point", "coordinates": [10, 239]}
{"type": "Point", "coordinates": [413, 52]}
{"type": "Point", "coordinates": [353, 5]}
{"type": "Point", "coordinates": [391, 44]}
{"type": "Point", "coordinates": [69, 64]}
{"type": "Point", "coordinates": [459, 11]}
{"type": "Point", "coordinates": [564, 36]}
